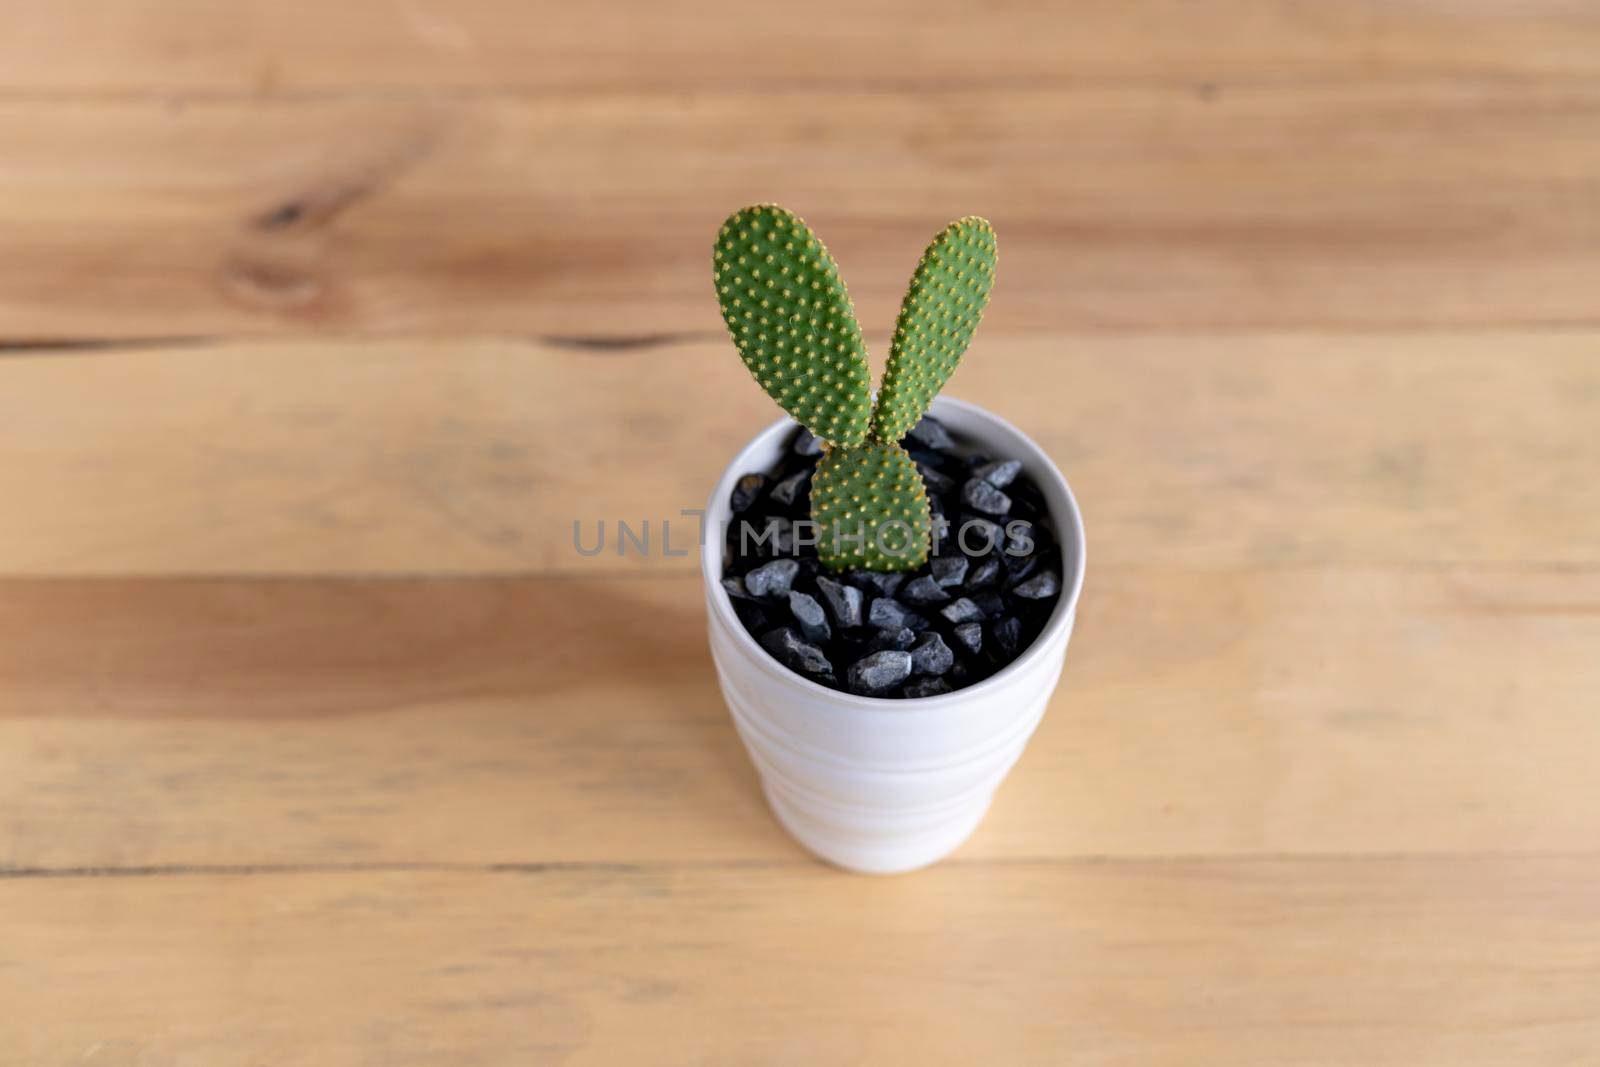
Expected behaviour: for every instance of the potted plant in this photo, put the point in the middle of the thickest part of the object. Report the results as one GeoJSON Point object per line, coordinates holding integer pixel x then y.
{"type": "Point", "coordinates": [892, 583]}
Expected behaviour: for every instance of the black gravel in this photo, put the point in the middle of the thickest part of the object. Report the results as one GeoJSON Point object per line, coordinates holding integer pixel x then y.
{"type": "Point", "coordinates": [924, 687]}
{"type": "Point", "coordinates": [887, 613]}
{"type": "Point", "coordinates": [969, 611]}
{"type": "Point", "coordinates": [900, 640]}
{"type": "Point", "coordinates": [878, 583]}
{"type": "Point", "coordinates": [978, 536]}
{"type": "Point", "coordinates": [808, 614]}
{"type": "Point", "coordinates": [792, 488]}
{"type": "Point", "coordinates": [935, 481]}
{"type": "Point", "coordinates": [789, 649]}
{"type": "Point", "coordinates": [969, 636]}
{"type": "Point", "coordinates": [746, 491]}
{"type": "Point", "coordinates": [949, 569]}
{"type": "Point", "coordinates": [990, 605]}
{"type": "Point", "coordinates": [923, 591]}
{"type": "Point", "coordinates": [805, 444]}
{"type": "Point", "coordinates": [844, 601]}
{"type": "Point", "coordinates": [984, 575]}
{"type": "Point", "coordinates": [1008, 634]}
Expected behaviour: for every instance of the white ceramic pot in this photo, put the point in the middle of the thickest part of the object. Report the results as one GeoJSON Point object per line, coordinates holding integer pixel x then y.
{"type": "Point", "coordinates": [879, 785]}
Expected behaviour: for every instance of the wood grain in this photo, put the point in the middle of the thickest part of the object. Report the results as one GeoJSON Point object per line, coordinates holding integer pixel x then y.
{"type": "Point", "coordinates": [477, 456]}
{"type": "Point", "coordinates": [1357, 207]}
{"type": "Point", "coordinates": [295, 46]}
{"type": "Point", "coordinates": [241, 723]}
{"type": "Point", "coordinates": [320, 324]}
{"type": "Point", "coordinates": [1292, 962]}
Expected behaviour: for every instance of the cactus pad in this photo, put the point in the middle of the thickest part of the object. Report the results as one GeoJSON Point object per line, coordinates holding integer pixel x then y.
{"type": "Point", "coordinates": [792, 321]}
{"type": "Point", "coordinates": [873, 499]}
{"type": "Point", "coordinates": [948, 293]}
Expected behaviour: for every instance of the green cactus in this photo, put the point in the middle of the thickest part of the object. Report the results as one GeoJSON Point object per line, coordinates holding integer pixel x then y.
{"type": "Point", "coordinates": [796, 331]}
{"type": "Point", "coordinates": [792, 322]}
{"type": "Point", "coordinates": [870, 508]}
{"type": "Point", "coordinates": [948, 292]}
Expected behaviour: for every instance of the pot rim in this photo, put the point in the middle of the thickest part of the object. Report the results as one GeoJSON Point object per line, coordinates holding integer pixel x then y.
{"type": "Point", "coordinates": [1037, 461]}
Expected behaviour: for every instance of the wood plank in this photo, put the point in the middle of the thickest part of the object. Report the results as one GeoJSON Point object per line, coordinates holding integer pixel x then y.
{"type": "Point", "coordinates": [591, 215]}
{"type": "Point", "coordinates": [1464, 961]}
{"type": "Point", "coordinates": [175, 723]}
{"type": "Point", "coordinates": [290, 46]}
{"type": "Point", "coordinates": [474, 456]}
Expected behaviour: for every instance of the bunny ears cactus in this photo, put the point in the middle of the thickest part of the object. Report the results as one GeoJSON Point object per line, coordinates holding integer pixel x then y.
{"type": "Point", "coordinates": [796, 330]}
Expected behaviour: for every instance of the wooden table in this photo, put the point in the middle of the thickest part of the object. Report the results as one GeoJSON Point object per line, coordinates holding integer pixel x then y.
{"type": "Point", "coordinates": [321, 323]}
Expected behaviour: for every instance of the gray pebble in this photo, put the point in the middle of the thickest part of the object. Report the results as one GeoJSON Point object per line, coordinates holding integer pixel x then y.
{"type": "Point", "coordinates": [1041, 586]}
{"type": "Point", "coordinates": [879, 672]}
{"type": "Point", "coordinates": [1008, 635]}
{"type": "Point", "coordinates": [990, 604]}
{"type": "Point", "coordinates": [929, 432]}
{"type": "Point", "coordinates": [882, 583]}
{"type": "Point", "coordinates": [788, 490]}
{"type": "Point", "coordinates": [1000, 473]}
{"type": "Point", "coordinates": [925, 687]}
{"type": "Point", "coordinates": [985, 575]}
{"type": "Point", "coordinates": [808, 613]}
{"type": "Point", "coordinates": [745, 491]}
{"type": "Point", "coordinates": [806, 443]}
{"type": "Point", "coordinates": [771, 579]}
{"type": "Point", "coordinates": [899, 640]}
{"type": "Point", "coordinates": [930, 655]}
{"type": "Point", "coordinates": [961, 611]}
{"type": "Point", "coordinates": [843, 600]}
{"type": "Point", "coordinates": [1020, 567]}
{"type": "Point", "coordinates": [889, 612]}
{"type": "Point", "coordinates": [934, 480]}
{"type": "Point", "coordinates": [969, 635]}
{"type": "Point", "coordinates": [788, 649]}
{"type": "Point", "coordinates": [735, 587]}
{"type": "Point", "coordinates": [984, 497]}
{"type": "Point", "coordinates": [924, 591]}
{"type": "Point", "coordinates": [948, 570]}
